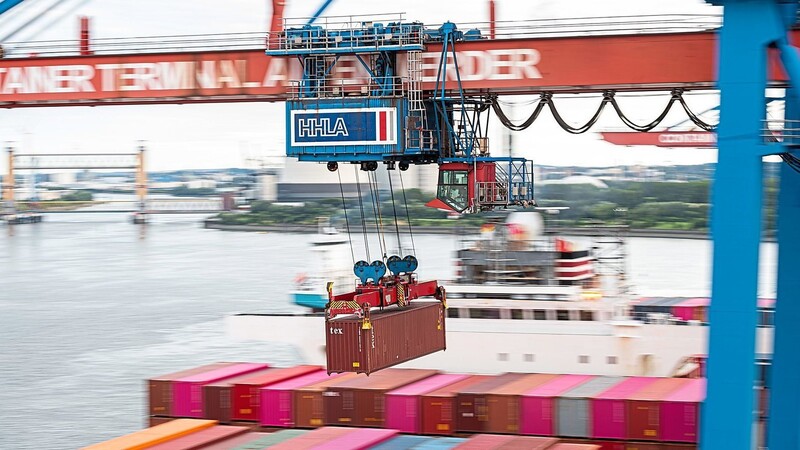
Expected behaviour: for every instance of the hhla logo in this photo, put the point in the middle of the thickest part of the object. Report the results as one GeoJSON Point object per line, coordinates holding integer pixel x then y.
{"type": "Point", "coordinates": [321, 127]}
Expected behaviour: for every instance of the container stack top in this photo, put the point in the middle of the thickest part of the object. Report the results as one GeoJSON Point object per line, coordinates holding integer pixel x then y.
{"type": "Point", "coordinates": [693, 391]}
{"type": "Point", "coordinates": [360, 438]}
{"type": "Point", "coordinates": [384, 380]}
{"type": "Point", "coordinates": [192, 371]}
{"type": "Point", "coordinates": [694, 302]}
{"type": "Point", "coordinates": [333, 379]}
{"type": "Point", "coordinates": [523, 384]}
{"type": "Point", "coordinates": [277, 375]}
{"type": "Point", "coordinates": [491, 383]}
{"type": "Point", "coordinates": [555, 387]}
{"type": "Point", "coordinates": [228, 382]}
{"type": "Point", "coordinates": [201, 438]}
{"type": "Point", "coordinates": [452, 390]}
{"type": "Point", "coordinates": [428, 384]}
{"type": "Point", "coordinates": [300, 381]}
{"type": "Point", "coordinates": [659, 389]}
{"type": "Point", "coordinates": [222, 373]}
{"type": "Point", "coordinates": [312, 439]}
{"type": "Point", "coordinates": [592, 387]}
{"type": "Point", "coordinates": [624, 389]}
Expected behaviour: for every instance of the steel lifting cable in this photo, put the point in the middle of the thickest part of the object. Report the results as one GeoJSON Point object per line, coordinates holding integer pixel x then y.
{"type": "Point", "coordinates": [394, 212]}
{"type": "Point", "coordinates": [346, 220]}
{"type": "Point", "coordinates": [408, 217]}
{"type": "Point", "coordinates": [363, 220]}
{"type": "Point", "coordinates": [372, 177]}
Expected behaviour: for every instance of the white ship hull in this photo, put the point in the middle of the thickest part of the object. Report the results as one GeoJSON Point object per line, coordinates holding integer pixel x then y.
{"type": "Point", "coordinates": [623, 348]}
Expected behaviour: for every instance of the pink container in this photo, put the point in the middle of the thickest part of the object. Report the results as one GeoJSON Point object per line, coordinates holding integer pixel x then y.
{"type": "Point", "coordinates": [404, 405]}
{"type": "Point", "coordinates": [689, 309]}
{"type": "Point", "coordinates": [277, 409]}
{"type": "Point", "coordinates": [359, 439]}
{"type": "Point", "coordinates": [608, 409]}
{"type": "Point", "coordinates": [485, 442]}
{"type": "Point", "coordinates": [537, 406]}
{"type": "Point", "coordinates": [680, 411]}
{"type": "Point", "coordinates": [187, 393]}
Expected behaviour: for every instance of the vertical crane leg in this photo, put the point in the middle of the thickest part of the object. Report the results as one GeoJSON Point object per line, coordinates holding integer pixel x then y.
{"type": "Point", "coordinates": [727, 418]}
{"type": "Point", "coordinates": [8, 185]}
{"type": "Point", "coordinates": [141, 180]}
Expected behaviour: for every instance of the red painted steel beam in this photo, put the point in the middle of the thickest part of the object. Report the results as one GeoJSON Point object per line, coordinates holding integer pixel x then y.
{"type": "Point", "coordinates": [511, 66]}
{"type": "Point", "coordinates": [692, 139]}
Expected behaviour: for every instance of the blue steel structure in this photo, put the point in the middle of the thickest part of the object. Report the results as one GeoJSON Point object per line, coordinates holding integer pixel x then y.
{"type": "Point", "coordinates": [387, 118]}
{"type": "Point", "coordinates": [6, 5]}
{"type": "Point", "coordinates": [750, 29]}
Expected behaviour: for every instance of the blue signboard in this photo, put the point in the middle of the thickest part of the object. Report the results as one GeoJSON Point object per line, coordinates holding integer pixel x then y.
{"type": "Point", "coordinates": [343, 126]}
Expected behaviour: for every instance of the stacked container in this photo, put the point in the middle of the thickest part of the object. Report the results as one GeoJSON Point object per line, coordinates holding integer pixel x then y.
{"type": "Point", "coordinates": [609, 412]}
{"type": "Point", "coordinates": [504, 403]}
{"type": "Point", "coordinates": [188, 391]}
{"type": "Point", "coordinates": [394, 336]}
{"type": "Point", "coordinates": [217, 397]}
{"type": "Point", "coordinates": [472, 411]}
{"type": "Point", "coordinates": [337, 438]}
{"type": "Point", "coordinates": [644, 408]}
{"type": "Point", "coordinates": [160, 388]}
{"type": "Point", "coordinates": [156, 435]}
{"type": "Point", "coordinates": [439, 406]}
{"type": "Point", "coordinates": [499, 441]}
{"type": "Point", "coordinates": [538, 405]}
{"type": "Point", "coordinates": [360, 401]}
{"type": "Point", "coordinates": [246, 398]}
{"type": "Point", "coordinates": [573, 417]}
{"type": "Point", "coordinates": [277, 400]}
{"type": "Point", "coordinates": [308, 401]}
{"type": "Point", "coordinates": [202, 438]}
{"type": "Point", "coordinates": [692, 309]}
{"type": "Point", "coordinates": [404, 405]}
{"type": "Point", "coordinates": [680, 412]}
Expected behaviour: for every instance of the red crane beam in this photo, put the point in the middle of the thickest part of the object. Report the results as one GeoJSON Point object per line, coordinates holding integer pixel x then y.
{"type": "Point", "coordinates": [508, 66]}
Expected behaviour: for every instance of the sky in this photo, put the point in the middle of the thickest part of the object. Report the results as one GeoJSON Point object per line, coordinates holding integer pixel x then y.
{"type": "Point", "coordinates": [235, 135]}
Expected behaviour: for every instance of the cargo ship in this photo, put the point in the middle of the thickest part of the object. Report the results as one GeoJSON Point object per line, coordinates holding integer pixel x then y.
{"type": "Point", "coordinates": [524, 301]}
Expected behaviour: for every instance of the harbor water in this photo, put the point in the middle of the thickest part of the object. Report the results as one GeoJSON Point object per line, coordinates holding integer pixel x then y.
{"type": "Point", "coordinates": [91, 306]}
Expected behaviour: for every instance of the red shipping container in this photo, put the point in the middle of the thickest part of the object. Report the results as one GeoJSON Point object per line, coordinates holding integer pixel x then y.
{"type": "Point", "coordinates": [313, 439]}
{"type": "Point", "coordinates": [188, 391]}
{"type": "Point", "coordinates": [438, 407]}
{"type": "Point", "coordinates": [201, 438]}
{"type": "Point", "coordinates": [404, 405]}
{"type": "Point", "coordinates": [395, 336]}
{"type": "Point", "coordinates": [692, 309]}
{"type": "Point", "coordinates": [277, 400]}
{"type": "Point", "coordinates": [644, 408]}
{"type": "Point", "coordinates": [359, 439]}
{"type": "Point", "coordinates": [160, 388]}
{"type": "Point", "coordinates": [609, 412]}
{"type": "Point", "coordinates": [506, 442]}
{"type": "Point", "coordinates": [504, 402]}
{"type": "Point", "coordinates": [217, 397]}
{"type": "Point", "coordinates": [472, 410]}
{"type": "Point", "coordinates": [680, 412]}
{"type": "Point", "coordinates": [245, 394]}
{"type": "Point", "coordinates": [360, 401]}
{"type": "Point", "coordinates": [309, 407]}
{"type": "Point", "coordinates": [564, 446]}
{"type": "Point", "coordinates": [537, 406]}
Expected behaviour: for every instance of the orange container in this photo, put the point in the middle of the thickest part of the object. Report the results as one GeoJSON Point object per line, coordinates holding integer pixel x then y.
{"type": "Point", "coordinates": [156, 435]}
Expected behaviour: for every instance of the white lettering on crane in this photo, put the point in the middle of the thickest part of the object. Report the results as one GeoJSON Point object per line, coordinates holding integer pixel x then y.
{"type": "Point", "coordinates": [478, 65]}
{"type": "Point", "coordinates": [687, 138]}
{"type": "Point", "coordinates": [321, 127]}
{"type": "Point", "coordinates": [50, 79]}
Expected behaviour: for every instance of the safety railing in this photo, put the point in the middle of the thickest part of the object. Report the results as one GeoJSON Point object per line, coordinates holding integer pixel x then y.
{"type": "Point", "coordinates": [783, 131]}
{"type": "Point", "coordinates": [349, 87]}
{"type": "Point", "coordinates": [345, 34]}
{"type": "Point", "coordinates": [423, 140]}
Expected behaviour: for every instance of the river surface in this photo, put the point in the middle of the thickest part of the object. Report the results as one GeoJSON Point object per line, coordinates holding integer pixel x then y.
{"type": "Point", "coordinates": [91, 306]}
